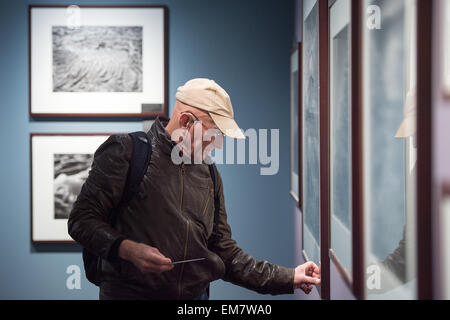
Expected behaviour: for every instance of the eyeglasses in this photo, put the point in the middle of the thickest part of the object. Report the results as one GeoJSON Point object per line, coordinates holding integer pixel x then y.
{"type": "Point", "coordinates": [217, 131]}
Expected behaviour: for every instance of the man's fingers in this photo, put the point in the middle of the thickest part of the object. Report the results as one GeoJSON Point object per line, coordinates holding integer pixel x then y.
{"type": "Point", "coordinates": [159, 254]}
{"type": "Point", "coordinates": [306, 288]}
{"type": "Point", "coordinates": [163, 258]}
{"type": "Point", "coordinates": [165, 267]}
{"type": "Point", "coordinates": [311, 266]}
{"type": "Point", "coordinates": [312, 280]}
{"type": "Point", "coordinates": [157, 268]}
{"type": "Point", "coordinates": [158, 258]}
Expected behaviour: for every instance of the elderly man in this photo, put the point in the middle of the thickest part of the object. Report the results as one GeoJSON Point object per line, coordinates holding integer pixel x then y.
{"type": "Point", "coordinates": [172, 219]}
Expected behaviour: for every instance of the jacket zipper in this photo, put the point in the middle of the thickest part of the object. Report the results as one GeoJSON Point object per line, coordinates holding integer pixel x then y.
{"type": "Point", "coordinates": [184, 258]}
{"type": "Point", "coordinates": [207, 202]}
{"type": "Point", "coordinates": [182, 187]}
{"type": "Point", "coordinates": [187, 232]}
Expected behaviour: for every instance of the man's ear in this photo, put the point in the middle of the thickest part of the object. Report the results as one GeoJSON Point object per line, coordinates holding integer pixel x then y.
{"type": "Point", "coordinates": [184, 121]}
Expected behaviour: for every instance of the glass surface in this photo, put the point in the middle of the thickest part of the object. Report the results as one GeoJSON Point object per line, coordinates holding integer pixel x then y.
{"type": "Point", "coordinates": [294, 124]}
{"type": "Point", "coordinates": [446, 45]}
{"type": "Point", "coordinates": [311, 204]}
{"type": "Point", "coordinates": [389, 55]}
{"type": "Point", "coordinates": [340, 133]}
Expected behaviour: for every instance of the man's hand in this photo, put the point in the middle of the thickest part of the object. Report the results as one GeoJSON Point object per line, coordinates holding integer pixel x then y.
{"type": "Point", "coordinates": [147, 259]}
{"type": "Point", "coordinates": [306, 275]}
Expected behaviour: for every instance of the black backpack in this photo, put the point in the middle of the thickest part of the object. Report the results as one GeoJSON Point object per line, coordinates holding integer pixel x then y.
{"type": "Point", "coordinates": [142, 151]}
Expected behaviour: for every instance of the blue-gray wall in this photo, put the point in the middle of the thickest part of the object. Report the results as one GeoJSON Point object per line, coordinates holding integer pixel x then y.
{"type": "Point", "coordinates": [244, 46]}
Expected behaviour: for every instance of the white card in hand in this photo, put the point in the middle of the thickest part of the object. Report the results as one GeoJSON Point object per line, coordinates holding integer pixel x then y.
{"type": "Point", "coordinates": [190, 260]}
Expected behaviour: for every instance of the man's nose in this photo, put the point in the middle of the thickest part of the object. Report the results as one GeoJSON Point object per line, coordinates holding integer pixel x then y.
{"type": "Point", "coordinates": [219, 143]}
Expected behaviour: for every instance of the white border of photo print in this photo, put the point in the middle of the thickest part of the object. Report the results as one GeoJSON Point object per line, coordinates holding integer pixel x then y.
{"type": "Point", "coordinates": [446, 48]}
{"type": "Point", "coordinates": [94, 65]}
{"type": "Point", "coordinates": [45, 227]}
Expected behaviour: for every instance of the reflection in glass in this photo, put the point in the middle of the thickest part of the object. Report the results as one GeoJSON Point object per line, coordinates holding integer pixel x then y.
{"type": "Point", "coordinates": [311, 205]}
{"type": "Point", "coordinates": [340, 133]}
{"type": "Point", "coordinates": [294, 125]}
{"type": "Point", "coordinates": [389, 151]}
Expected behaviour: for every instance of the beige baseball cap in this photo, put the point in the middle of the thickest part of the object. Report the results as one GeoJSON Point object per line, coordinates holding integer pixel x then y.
{"type": "Point", "coordinates": [207, 95]}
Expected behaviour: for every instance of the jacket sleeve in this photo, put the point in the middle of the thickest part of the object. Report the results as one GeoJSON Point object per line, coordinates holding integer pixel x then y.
{"type": "Point", "coordinates": [396, 261]}
{"type": "Point", "coordinates": [393, 265]}
{"type": "Point", "coordinates": [102, 191]}
{"type": "Point", "coordinates": [241, 268]}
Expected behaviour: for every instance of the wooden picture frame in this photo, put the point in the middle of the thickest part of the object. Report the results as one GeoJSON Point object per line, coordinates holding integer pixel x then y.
{"type": "Point", "coordinates": [424, 250]}
{"type": "Point", "coordinates": [358, 269]}
{"type": "Point", "coordinates": [322, 87]}
{"type": "Point", "coordinates": [59, 165]}
{"type": "Point", "coordinates": [295, 124]}
{"type": "Point", "coordinates": [98, 61]}
{"type": "Point", "coordinates": [340, 25]}
{"type": "Point", "coordinates": [310, 53]}
{"type": "Point", "coordinates": [324, 125]}
{"type": "Point", "coordinates": [425, 13]}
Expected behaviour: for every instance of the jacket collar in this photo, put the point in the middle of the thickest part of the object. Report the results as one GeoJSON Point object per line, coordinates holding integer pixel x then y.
{"type": "Point", "coordinates": [161, 136]}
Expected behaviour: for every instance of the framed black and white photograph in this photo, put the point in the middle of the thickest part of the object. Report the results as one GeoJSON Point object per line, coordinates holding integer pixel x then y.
{"type": "Point", "coordinates": [295, 152]}
{"type": "Point", "coordinates": [389, 157]}
{"type": "Point", "coordinates": [310, 128]}
{"type": "Point", "coordinates": [60, 164]}
{"type": "Point", "coordinates": [93, 61]}
{"type": "Point", "coordinates": [340, 138]}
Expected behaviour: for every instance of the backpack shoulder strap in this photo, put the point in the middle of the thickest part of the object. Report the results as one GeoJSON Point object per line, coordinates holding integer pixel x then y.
{"type": "Point", "coordinates": [142, 151]}
{"type": "Point", "coordinates": [214, 176]}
